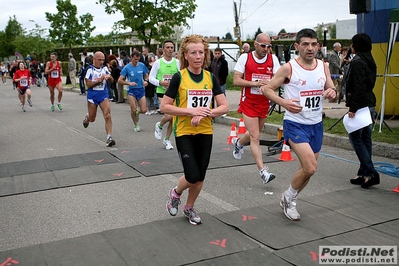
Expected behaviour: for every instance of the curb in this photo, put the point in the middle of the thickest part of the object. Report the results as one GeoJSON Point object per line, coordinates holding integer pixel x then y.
{"type": "Point", "coordinates": [379, 148]}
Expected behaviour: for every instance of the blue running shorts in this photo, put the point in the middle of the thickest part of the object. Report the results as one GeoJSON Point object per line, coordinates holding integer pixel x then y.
{"type": "Point", "coordinates": [136, 93]}
{"type": "Point", "coordinates": [96, 97]}
{"type": "Point", "coordinates": [299, 133]}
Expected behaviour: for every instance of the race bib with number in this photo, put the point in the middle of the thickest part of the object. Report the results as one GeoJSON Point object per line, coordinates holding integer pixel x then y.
{"type": "Point", "coordinates": [166, 77]}
{"type": "Point", "coordinates": [199, 98]}
{"type": "Point", "coordinates": [23, 82]}
{"type": "Point", "coordinates": [311, 103]}
{"type": "Point", "coordinates": [54, 74]}
{"type": "Point", "coordinates": [257, 77]}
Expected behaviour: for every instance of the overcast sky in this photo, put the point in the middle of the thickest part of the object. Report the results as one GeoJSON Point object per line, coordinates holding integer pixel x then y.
{"type": "Point", "coordinates": [212, 17]}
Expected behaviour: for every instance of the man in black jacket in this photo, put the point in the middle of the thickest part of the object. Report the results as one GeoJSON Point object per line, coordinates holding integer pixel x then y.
{"type": "Point", "coordinates": [220, 68]}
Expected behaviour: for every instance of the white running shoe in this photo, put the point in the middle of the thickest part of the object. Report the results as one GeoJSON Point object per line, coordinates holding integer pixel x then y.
{"type": "Point", "coordinates": [265, 175]}
{"type": "Point", "coordinates": [158, 131]}
{"type": "Point", "coordinates": [289, 207]}
{"type": "Point", "coordinates": [168, 144]}
{"type": "Point", "coordinates": [238, 150]}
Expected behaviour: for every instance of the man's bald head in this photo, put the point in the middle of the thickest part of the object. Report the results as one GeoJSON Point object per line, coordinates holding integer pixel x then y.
{"type": "Point", "coordinates": [98, 59]}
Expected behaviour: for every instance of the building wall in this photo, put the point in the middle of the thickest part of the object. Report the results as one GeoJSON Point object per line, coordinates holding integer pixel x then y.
{"type": "Point", "coordinates": [346, 28]}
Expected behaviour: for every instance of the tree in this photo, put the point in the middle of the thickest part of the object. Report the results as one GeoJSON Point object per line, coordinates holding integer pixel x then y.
{"type": "Point", "coordinates": [177, 33]}
{"type": "Point", "coordinates": [228, 36]}
{"type": "Point", "coordinates": [282, 31]}
{"type": "Point", "coordinates": [257, 33]}
{"type": "Point", "coordinates": [150, 19]}
{"type": "Point", "coordinates": [66, 28]}
{"type": "Point", "coordinates": [7, 37]}
{"type": "Point", "coordinates": [35, 42]}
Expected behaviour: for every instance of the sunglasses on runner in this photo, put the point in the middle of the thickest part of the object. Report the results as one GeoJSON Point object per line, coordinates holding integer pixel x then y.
{"type": "Point", "coordinates": [264, 45]}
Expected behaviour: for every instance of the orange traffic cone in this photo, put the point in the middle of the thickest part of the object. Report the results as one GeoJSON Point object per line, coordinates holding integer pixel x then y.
{"type": "Point", "coordinates": [233, 133]}
{"type": "Point", "coordinates": [286, 153]}
{"type": "Point", "coordinates": [396, 189]}
{"type": "Point", "coordinates": [241, 127]}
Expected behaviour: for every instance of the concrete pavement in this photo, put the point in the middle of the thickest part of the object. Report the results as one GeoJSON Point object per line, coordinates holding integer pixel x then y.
{"type": "Point", "coordinates": [42, 217]}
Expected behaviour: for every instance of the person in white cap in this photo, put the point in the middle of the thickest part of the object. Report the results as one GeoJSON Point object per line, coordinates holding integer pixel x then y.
{"type": "Point", "coordinates": [72, 70]}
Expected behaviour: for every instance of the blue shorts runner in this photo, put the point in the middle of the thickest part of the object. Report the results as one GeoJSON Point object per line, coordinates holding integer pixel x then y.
{"type": "Point", "coordinates": [299, 133]}
{"type": "Point", "coordinates": [96, 97]}
{"type": "Point", "coordinates": [136, 93]}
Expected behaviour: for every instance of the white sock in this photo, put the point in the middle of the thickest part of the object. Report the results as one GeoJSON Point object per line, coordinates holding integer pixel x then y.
{"type": "Point", "coordinates": [291, 193]}
{"type": "Point", "coordinates": [108, 136]}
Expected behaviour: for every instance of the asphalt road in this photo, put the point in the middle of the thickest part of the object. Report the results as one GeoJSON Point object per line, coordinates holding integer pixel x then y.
{"type": "Point", "coordinates": [45, 216]}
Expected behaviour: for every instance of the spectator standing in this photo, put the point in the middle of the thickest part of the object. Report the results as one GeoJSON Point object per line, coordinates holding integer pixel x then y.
{"type": "Point", "coordinates": [150, 89]}
{"type": "Point", "coordinates": [81, 75]}
{"type": "Point", "coordinates": [306, 82]}
{"type": "Point", "coordinates": [334, 63]}
{"type": "Point", "coordinates": [115, 73]}
{"type": "Point", "coordinates": [72, 70]}
{"type": "Point", "coordinates": [320, 54]}
{"type": "Point", "coordinates": [192, 123]}
{"type": "Point", "coordinates": [360, 82]}
{"type": "Point", "coordinates": [220, 68]}
{"type": "Point", "coordinates": [253, 70]}
{"type": "Point", "coordinates": [246, 48]}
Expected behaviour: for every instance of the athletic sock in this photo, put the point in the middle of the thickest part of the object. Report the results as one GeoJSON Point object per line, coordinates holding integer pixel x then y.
{"type": "Point", "coordinates": [291, 193]}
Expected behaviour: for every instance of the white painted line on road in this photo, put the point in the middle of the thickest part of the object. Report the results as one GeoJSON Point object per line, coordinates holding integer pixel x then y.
{"type": "Point", "coordinates": [102, 143]}
{"type": "Point", "coordinates": [209, 197]}
{"type": "Point", "coordinates": [81, 133]}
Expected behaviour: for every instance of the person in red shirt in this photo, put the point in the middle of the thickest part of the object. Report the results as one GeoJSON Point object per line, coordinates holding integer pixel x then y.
{"type": "Point", "coordinates": [23, 79]}
{"type": "Point", "coordinates": [54, 71]}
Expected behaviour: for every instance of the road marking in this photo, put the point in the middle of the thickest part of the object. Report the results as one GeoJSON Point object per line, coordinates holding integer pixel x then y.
{"type": "Point", "coordinates": [209, 197]}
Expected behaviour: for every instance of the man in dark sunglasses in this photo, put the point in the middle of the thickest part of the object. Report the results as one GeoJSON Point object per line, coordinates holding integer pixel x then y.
{"type": "Point", "coordinates": [253, 70]}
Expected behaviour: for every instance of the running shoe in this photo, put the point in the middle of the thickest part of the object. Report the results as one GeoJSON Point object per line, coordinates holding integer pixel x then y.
{"type": "Point", "coordinates": [289, 207]}
{"type": "Point", "coordinates": [137, 128]}
{"type": "Point", "coordinates": [192, 215]}
{"type": "Point", "coordinates": [59, 106]}
{"type": "Point", "coordinates": [23, 108]}
{"type": "Point", "coordinates": [52, 108]}
{"type": "Point", "coordinates": [86, 122]}
{"type": "Point", "coordinates": [158, 131]}
{"type": "Point", "coordinates": [30, 102]}
{"type": "Point", "coordinates": [265, 175]}
{"type": "Point", "coordinates": [168, 144]}
{"type": "Point", "coordinates": [238, 150]}
{"type": "Point", "coordinates": [110, 142]}
{"type": "Point", "coordinates": [173, 203]}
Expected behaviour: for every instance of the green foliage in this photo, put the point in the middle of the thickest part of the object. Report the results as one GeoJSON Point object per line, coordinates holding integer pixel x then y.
{"type": "Point", "coordinates": [34, 43]}
{"type": "Point", "coordinates": [257, 33]}
{"type": "Point", "coordinates": [228, 36]}
{"type": "Point", "coordinates": [282, 31]}
{"type": "Point", "coordinates": [66, 28]}
{"type": "Point", "coordinates": [150, 19]}
{"type": "Point", "coordinates": [7, 37]}
{"type": "Point", "coordinates": [229, 82]}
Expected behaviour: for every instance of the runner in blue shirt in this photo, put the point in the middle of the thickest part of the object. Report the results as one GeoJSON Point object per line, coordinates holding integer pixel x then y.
{"type": "Point", "coordinates": [135, 76]}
